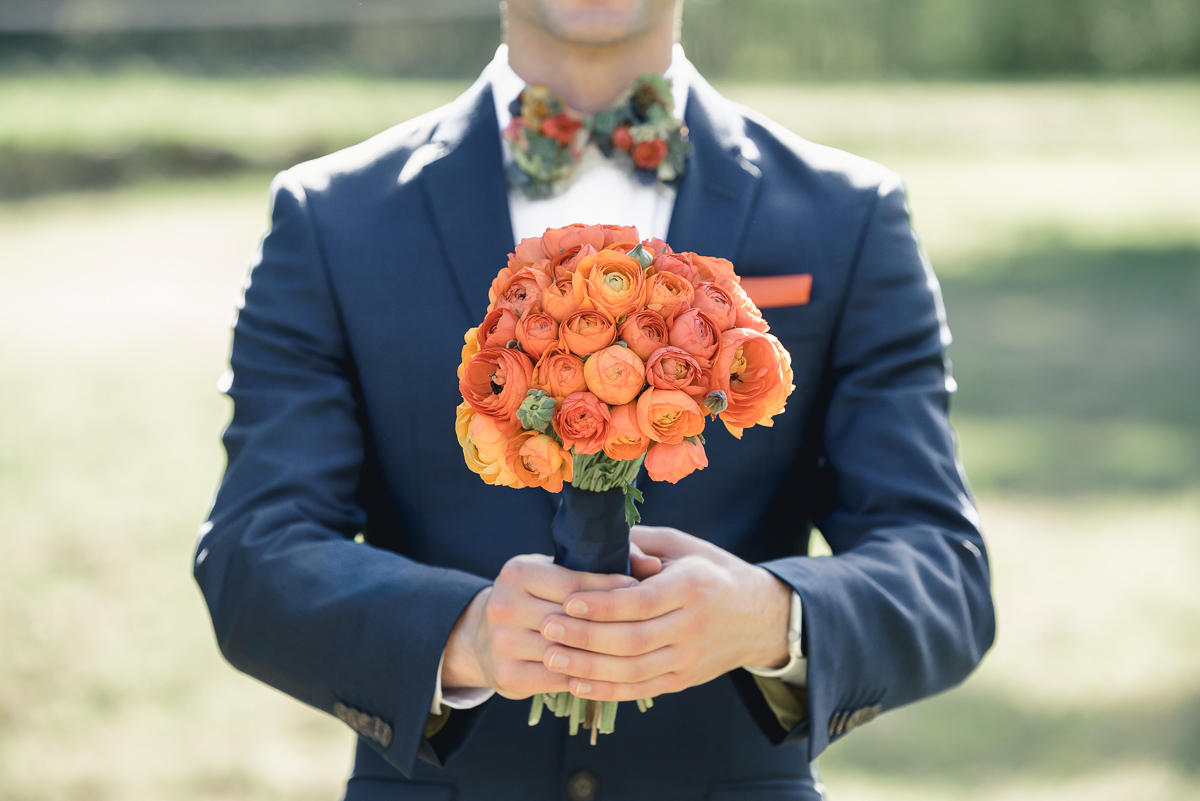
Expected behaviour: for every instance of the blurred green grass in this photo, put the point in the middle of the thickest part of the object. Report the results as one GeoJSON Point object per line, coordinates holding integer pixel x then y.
{"type": "Point", "coordinates": [1063, 220]}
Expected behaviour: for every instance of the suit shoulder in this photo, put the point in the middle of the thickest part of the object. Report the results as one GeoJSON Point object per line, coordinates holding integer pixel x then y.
{"type": "Point", "coordinates": [784, 152]}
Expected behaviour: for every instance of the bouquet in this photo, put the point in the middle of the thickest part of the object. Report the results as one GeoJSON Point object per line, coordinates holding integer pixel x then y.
{"type": "Point", "coordinates": [601, 354]}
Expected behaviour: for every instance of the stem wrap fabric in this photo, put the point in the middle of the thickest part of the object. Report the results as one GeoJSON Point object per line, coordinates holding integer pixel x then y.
{"type": "Point", "coordinates": [590, 532]}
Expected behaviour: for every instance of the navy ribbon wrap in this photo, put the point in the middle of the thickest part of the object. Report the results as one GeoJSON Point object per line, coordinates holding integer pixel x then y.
{"type": "Point", "coordinates": [590, 531]}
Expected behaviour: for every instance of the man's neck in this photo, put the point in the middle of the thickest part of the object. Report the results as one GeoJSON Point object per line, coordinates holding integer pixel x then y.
{"type": "Point", "coordinates": [588, 77]}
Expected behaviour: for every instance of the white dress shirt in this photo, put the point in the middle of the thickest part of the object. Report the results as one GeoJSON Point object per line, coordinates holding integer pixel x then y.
{"type": "Point", "coordinates": [603, 192]}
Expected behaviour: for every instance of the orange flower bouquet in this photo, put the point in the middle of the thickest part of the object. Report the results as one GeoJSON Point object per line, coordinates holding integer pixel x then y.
{"type": "Point", "coordinates": [602, 353]}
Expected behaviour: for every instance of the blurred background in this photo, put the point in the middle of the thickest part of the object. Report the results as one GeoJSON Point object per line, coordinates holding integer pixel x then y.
{"type": "Point", "coordinates": [1052, 153]}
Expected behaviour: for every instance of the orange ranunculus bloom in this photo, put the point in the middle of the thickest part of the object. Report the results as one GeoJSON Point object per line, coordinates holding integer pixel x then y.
{"type": "Point", "coordinates": [582, 423]}
{"type": "Point", "coordinates": [675, 368]}
{"type": "Point", "coordinates": [470, 348]}
{"type": "Point", "coordinates": [669, 415]}
{"type": "Point", "coordinates": [529, 251]}
{"type": "Point", "coordinates": [711, 268]}
{"type": "Point", "coordinates": [754, 370]}
{"type": "Point", "coordinates": [678, 263]}
{"type": "Point", "coordinates": [519, 290]}
{"type": "Point", "coordinates": [587, 331]}
{"type": "Point", "coordinates": [620, 233]}
{"type": "Point", "coordinates": [615, 375]}
{"type": "Point", "coordinates": [717, 303]}
{"type": "Point", "coordinates": [538, 461]}
{"type": "Point", "coordinates": [644, 333]}
{"type": "Point", "coordinates": [567, 262]}
{"type": "Point", "coordinates": [614, 282]}
{"type": "Point", "coordinates": [495, 382]}
{"type": "Point", "coordinates": [559, 373]}
{"type": "Point", "coordinates": [498, 328]}
{"type": "Point", "coordinates": [668, 294]}
{"type": "Point", "coordinates": [656, 247]}
{"type": "Point", "coordinates": [559, 240]}
{"type": "Point", "coordinates": [625, 439]}
{"type": "Point", "coordinates": [672, 462]}
{"type": "Point", "coordinates": [536, 332]}
{"type": "Point", "coordinates": [558, 300]}
{"type": "Point", "coordinates": [695, 332]}
{"type": "Point", "coordinates": [484, 447]}
{"type": "Point", "coordinates": [748, 315]}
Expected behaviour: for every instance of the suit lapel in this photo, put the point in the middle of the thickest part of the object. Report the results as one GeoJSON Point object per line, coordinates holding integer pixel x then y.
{"type": "Point", "coordinates": [715, 201]}
{"type": "Point", "coordinates": [468, 196]}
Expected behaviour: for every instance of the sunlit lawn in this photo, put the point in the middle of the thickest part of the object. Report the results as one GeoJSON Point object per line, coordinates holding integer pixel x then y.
{"type": "Point", "coordinates": [1070, 255]}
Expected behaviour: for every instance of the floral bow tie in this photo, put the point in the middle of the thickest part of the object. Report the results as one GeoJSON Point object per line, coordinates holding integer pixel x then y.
{"type": "Point", "coordinates": [548, 137]}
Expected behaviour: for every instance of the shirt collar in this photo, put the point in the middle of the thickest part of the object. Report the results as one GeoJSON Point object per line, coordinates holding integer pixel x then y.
{"type": "Point", "coordinates": [507, 85]}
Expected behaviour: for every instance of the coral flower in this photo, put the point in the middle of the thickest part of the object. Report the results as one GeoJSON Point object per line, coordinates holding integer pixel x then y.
{"type": "Point", "coordinates": [748, 315]}
{"type": "Point", "coordinates": [615, 282]}
{"type": "Point", "coordinates": [495, 382]}
{"type": "Point", "coordinates": [620, 233]}
{"type": "Point", "coordinates": [669, 415]}
{"type": "Point", "coordinates": [717, 303]}
{"type": "Point", "coordinates": [668, 294]}
{"type": "Point", "coordinates": [625, 439]}
{"type": "Point", "coordinates": [529, 251]}
{"type": "Point", "coordinates": [711, 268]}
{"type": "Point", "coordinates": [582, 423]}
{"type": "Point", "coordinates": [675, 368]}
{"type": "Point", "coordinates": [559, 240]}
{"type": "Point", "coordinates": [558, 300]}
{"type": "Point", "coordinates": [498, 328]}
{"type": "Point", "coordinates": [644, 333]}
{"type": "Point", "coordinates": [567, 262]}
{"type": "Point", "coordinates": [622, 139]}
{"type": "Point", "coordinates": [469, 349]}
{"type": "Point", "coordinates": [649, 154]}
{"type": "Point", "coordinates": [536, 332]}
{"type": "Point", "coordinates": [559, 373]}
{"type": "Point", "coordinates": [538, 461]}
{"type": "Point", "coordinates": [672, 462]}
{"type": "Point", "coordinates": [519, 290]}
{"type": "Point", "coordinates": [615, 375]}
{"type": "Point", "coordinates": [484, 447]}
{"type": "Point", "coordinates": [695, 332]}
{"type": "Point", "coordinates": [561, 127]}
{"type": "Point", "coordinates": [587, 331]}
{"type": "Point", "coordinates": [755, 373]}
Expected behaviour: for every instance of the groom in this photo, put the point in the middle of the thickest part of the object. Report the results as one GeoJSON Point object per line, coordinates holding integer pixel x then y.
{"type": "Point", "coordinates": [428, 633]}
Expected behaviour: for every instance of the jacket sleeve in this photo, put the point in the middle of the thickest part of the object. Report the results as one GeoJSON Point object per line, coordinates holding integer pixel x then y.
{"type": "Point", "coordinates": [352, 630]}
{"type": "Point", "coordinates": [903, 608]}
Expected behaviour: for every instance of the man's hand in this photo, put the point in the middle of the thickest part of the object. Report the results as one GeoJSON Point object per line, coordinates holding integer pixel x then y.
{"type": "Point", "coordinates": [497, 642]}
{"type": "Point", "coordinates": [705, 613]}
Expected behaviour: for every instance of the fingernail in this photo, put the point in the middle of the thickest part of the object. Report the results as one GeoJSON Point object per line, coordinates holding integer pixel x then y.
{"type": "Point", "coordinates": [559, 662]}
{"type": "Point", "coordinates": [583, 687]}
{"type": "Point", "coordinates": [577, 608]}
{"type": "Point", "coordinates": [554, 631]}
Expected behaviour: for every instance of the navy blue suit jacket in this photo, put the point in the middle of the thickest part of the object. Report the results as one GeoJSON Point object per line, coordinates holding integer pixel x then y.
{"type": "Point", "coordinates": [344, 356]}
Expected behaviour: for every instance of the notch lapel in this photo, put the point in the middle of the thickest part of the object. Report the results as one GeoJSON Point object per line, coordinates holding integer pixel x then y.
{"type": "Point", "coordinates": [715, 201]}
{"type": "Point", "coordinates": [468, 196]}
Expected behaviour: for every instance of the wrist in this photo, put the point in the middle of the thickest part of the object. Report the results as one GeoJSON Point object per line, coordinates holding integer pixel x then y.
{"type": "Point", "coordinates": [770, 648]}
{"type": "Point", "coordinates": [461, 667]}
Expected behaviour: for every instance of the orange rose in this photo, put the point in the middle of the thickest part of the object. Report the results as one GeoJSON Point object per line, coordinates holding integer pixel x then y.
{"type": "Point", "coordinates": [625, 439]}
{"type": "Point", "coordinates": [558, 300]}
{"type": "Point", "coordinates": [615, 375]}
{"type": "Point", "coordinates": [644, 333]}
{"type": "Point", "coordinates": [587, 331]}
{"type": "Point", "coordinates": [484, 447]}
{"type": "Point", "coordinates": [536, 332]}
{"type": "Point", "coordinates": [614, 282]}
{"type": "Point", "coordinates": [470, 348]}
{"type": "Point", "coordinates": [672, 462]}
{"type": "Point", "coordinates": [582, 423]}
{"type": "Point", "coordinates": [538, 461]}
{"type": "Point", "coordinates": [754, 371]}
{"type": "Point", "coordinates": [748, 315]}
{"type": "Point", "coordinates": [668, 294]}
{"type": "Point", "coordinates": [497, 329]}
{"type": "Point", "coordinates": [668, 415]}
{"type": "Point", "coordinates": [674, 368]}
{"type": "Point", "coordinates": [495, 382]}
{"type": "Point", "coordinates": [695, 332]}
{"type": "Point", "coordinates": [559, 373]}
{"type": "Point", "coordinates": [716, 302]}
{"type": "Point", "coordinates": [519, 290]}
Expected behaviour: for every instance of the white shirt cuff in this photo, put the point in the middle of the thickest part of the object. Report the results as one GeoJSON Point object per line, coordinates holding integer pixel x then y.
{"type": "Point", "coordinates": [795, 672]}
{"type": "Point", "coordinates": [459, 697]}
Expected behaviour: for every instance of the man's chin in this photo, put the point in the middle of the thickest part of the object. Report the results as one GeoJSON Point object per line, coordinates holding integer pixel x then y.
{"type": "Point", "coordinates": [595, 23]}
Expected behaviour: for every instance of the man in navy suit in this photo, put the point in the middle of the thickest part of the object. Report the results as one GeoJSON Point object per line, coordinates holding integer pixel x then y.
{"type": "Point", "coordinates": [427, 633]}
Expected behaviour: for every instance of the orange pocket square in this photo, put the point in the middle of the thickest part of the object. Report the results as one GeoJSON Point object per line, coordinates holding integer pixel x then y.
{"type": "Point", "coordinates": [773, 291]}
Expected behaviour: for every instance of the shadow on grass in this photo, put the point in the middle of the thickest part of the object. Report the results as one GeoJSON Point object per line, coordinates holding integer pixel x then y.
{"type": "Point", "coordinates": [1079, 370]}
{"type": "Point", "coordinates": [963, 738]}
